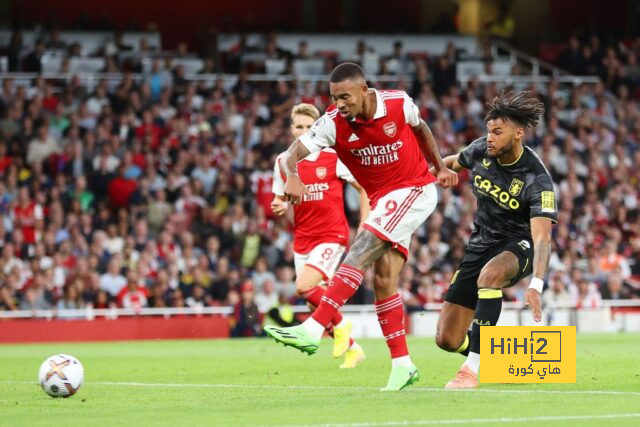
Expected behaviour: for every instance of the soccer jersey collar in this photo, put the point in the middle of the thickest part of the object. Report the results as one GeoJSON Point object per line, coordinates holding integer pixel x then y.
{"type": "Point", "coordinates": [381, 109]}
{"type": "Point", "coordinates": [514, 162]}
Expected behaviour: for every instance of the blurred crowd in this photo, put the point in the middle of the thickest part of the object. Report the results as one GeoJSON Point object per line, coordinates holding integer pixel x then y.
{"type": "Point", "coordinates": [156, 192]}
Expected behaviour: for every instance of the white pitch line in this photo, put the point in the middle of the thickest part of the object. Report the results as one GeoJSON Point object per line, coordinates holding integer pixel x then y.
{"type": "Point", "coordinates": [480, 420]}
{"type": "Point", "coordinates": [356, 388]}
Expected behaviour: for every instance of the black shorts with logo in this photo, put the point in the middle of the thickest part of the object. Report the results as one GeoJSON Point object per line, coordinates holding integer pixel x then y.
{"type": "Point", "coordinates": [464, 285]}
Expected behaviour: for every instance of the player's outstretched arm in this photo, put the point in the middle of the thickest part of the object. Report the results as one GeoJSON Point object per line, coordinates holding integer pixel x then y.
{"type": "Point", "coordinates": [450, 162]}
{"type": "Point", "coordinates": [541, 235]}
{"type": "Point", "coordinates": [294, 188]}
{"type": "Point", "coordinates": [446, 177]}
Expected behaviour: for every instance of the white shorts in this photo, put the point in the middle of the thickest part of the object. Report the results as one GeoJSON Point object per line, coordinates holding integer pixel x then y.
{"type": "Point", "coordinates": [399, 213]}
{"type": "Point", "coordinates": [325, 258]}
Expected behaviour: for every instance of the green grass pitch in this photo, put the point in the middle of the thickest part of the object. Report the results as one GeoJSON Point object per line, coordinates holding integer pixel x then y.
{"type": "Point", "coordinates": [256, 382]}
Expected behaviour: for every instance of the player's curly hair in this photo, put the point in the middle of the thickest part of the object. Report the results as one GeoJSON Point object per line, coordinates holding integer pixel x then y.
{"type": "Point", "coordinates": [522, 108]}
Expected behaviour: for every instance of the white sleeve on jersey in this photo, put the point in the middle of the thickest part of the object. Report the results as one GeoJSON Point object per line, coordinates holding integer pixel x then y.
{"type": "Point", "coordinates": [411, 112]}
{"type": "Point", "coordinates": [321, 135]}
{"type": "Point", "coordinates": [343, 172]}
{"type": "Point", "coordinates": [38, 212]}
{"type": "Point", "coordinates": [277, 187]}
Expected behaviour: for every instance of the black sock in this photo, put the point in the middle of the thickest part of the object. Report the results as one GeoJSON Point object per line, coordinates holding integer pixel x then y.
{"type": "Point", "coordinates": [487, 314]}
{"type": "Point", "coordinates": [464, 347]}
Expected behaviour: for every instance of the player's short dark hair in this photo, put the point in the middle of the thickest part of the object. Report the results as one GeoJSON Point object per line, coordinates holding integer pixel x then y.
{"type": "Point", "coordinates": [346, 71]}
{"type": "Point", "coordinates": [522, 108]}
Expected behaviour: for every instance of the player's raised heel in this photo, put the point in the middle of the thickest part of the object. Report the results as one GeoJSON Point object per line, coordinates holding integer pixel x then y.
{"type": "Point", "coordinates": [402, 377]}
{"type": "Point", "coordinates": [341, 336]}
{"type": "Point", "coordinates": [352, 358]}
{"type": "Point", "coordinates": [465, 378]}
{"type": "Point", "coordinates": [295, 336]}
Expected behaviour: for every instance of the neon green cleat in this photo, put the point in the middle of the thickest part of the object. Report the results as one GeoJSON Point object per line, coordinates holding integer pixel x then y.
{"type": "Point", "coordinates": [341, 338]}
{"type": "Point", "coordinates": [295, 336]}
{"type": "Point", "coordinates": [352, 358]}
{"type": "Point", "coordinates": [402, 377]}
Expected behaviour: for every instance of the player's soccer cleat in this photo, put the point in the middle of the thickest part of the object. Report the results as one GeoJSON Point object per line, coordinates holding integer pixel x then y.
{"type": "Point", "coordinates": [465, 378]}
{"type": "Point", "coordinates": [295, 336]}
{"type": "Point", "coordinates": [352, 358]}
{"type": "Point", "coordinates": [402, 377]}
{"type": "Point", "coordinates": [341, 338]}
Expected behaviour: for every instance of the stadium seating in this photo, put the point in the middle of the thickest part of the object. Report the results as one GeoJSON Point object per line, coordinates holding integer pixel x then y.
{"type": "Point", "coordinates": [114, 169]}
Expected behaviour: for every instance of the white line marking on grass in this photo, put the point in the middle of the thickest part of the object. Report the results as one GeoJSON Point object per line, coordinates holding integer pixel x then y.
{"type": "Point", "coordinates": [357, 388]}
{"type": "Point", "coordinates": [480, 420]}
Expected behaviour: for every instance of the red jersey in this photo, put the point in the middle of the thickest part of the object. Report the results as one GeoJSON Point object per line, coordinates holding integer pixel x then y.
{"type": "Point", "coordinates": [261, 183]}
{"type": "Point", "coordinates": [320, 217]}
{"type": "Point", "coordinates": [26, 217]}
{"type": "Point", "coordinates": [382, 153]}
{"type": "Point", "coordinates": [132, 298]}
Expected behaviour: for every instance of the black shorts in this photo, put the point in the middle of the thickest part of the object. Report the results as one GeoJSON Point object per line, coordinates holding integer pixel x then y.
{"type": "Point", "coordinates": [464, 284]}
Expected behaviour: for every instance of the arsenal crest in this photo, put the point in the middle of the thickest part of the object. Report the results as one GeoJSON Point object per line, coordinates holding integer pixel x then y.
{"type": "Point", "coordinates": [389, 129]}
{"type": "Point", "coordinates": [321, 172]}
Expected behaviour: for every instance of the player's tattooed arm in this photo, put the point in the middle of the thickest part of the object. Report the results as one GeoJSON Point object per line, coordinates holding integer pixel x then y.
{"type": "Point", "coordinates": [428, 145]}
{"type": "Point", "coordinates": [366, 249]}
{"type": "Point", "coordinates": [451, 162]}
{"type": "Point", "coordinates": [541, 235]}
{"type": "Point", "coordinates": [446, 177]}
{"type": "Point", "coordinates": [296, 152]}
{"type": "Point", "coordinates": [294, 188]}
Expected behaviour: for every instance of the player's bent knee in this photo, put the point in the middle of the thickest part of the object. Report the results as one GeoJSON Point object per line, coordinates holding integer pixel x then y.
{"type": "Point", "coordinates": [446, 342]}
{"type": "Point", "coordinates": [491, 278]}
{"type": "Point", "coordinates": [302, 288]}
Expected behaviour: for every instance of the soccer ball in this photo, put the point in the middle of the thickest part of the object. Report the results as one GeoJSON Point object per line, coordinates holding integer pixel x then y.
{"type": "Point", "coordinates": [61, 375]}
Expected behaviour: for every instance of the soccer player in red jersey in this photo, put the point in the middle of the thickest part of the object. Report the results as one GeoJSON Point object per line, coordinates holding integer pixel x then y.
{"type": "Point", "coordinates": [321, 231]}
{"type": "Point", "coordinates": [381, 138]}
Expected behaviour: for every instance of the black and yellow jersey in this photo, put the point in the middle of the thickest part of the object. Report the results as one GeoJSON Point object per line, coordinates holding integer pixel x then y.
{"type": "Point", "coordinates": [508, 195]}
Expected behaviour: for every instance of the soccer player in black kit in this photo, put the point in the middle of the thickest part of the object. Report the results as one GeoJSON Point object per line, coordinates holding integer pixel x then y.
{"type": "Point", "coordinates": [512, 229]}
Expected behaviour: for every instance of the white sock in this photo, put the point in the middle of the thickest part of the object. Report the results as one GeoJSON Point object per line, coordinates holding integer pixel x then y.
{"type": "Point", "coordinates": [403, 361]}
{"type": "Point", "coordinates": [473, 362]}
{"type": "Point", "coordinates": [313, 328]}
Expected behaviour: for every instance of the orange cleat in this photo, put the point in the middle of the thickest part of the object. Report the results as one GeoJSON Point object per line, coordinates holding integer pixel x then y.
{"type": "Point", "coordinates": [466, 378]}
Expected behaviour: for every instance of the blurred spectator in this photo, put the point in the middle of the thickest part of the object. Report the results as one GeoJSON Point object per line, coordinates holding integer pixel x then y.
{"type": "Point", "coordinates": [262, 274]}
{"type": "Point", "coordinates": [34, 296]}
{"type": "Point", "coordinates": [267, 297]}
{"type": "Point", "coordinates": [281, 313]}
{"type": "Point", "coordinates": [133, 294]}
{"type": "Point", "coordinates": [587, 295]}
{"type": "Point", "coordinates": [616, 288]}
{"type": "Point", "coordinates": [503, 26]}
{"type": "Point", "coordinates": [14, 51]}
{"type": "Point", "coordinates": [32, 63]}
{"type": "Point", "coordinates": [112, 281]}
{"type": "Point", "coordinates": [557, 292]}
{"type": "Point", "coordinates": [246, 317]}
{"type": "Point", "coordinates": [41, 146]}
{"type": "Point", "coordinates": [28, 217]}
{"type": "Point", "coordinates": [611, 260]}
{"type": "Point", "coordinates": [71, 300]}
